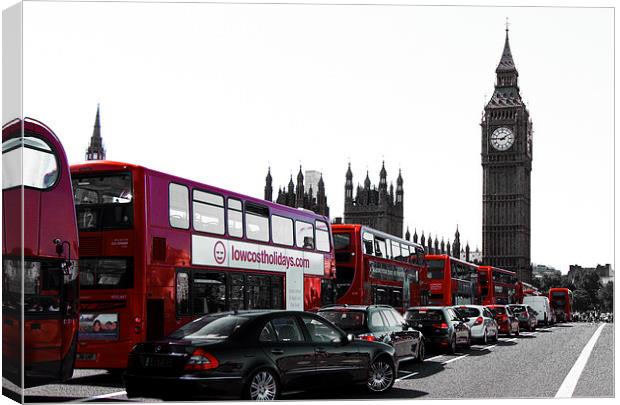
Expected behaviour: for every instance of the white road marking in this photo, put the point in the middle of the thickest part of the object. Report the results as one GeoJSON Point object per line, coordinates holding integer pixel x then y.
{"type": "Point", "coordinates": [455, 359]}
{"type": "Point", "coordinates": [407, 376]}
{"type": "Point", "coordinates": [103, 396]}
{"type": "Point", "coordinates": [435, 357]}
{"type": "Point", "coordinates": [572, 378]}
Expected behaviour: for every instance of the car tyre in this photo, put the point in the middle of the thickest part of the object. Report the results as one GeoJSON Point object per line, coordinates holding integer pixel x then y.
{"type": "Point", "coordinates": [496, 338]}
{"type": "Point", "coordinates": [263, 385]}
{"type": "Point", "coordinates": [381, 375]}
{"type": "Point", "coordinates": [468, 343]}
{"type": "Point", "coordinates": [452, 348]}
{"type": "Point", "coordinates": [421, 352]}
{"type": "Point", "coordinates": [485, 338]}
{"type": "Point", "coordinates": [131, 390]}
{"type": "Point", "coordinates": [517, 332]}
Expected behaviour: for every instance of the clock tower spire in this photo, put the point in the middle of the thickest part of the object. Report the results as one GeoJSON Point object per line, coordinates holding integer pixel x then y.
{"type": "Point", "coordinates": [506, 173]}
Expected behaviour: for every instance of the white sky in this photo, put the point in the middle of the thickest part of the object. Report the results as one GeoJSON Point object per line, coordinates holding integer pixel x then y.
{"type": "Point", "coordinates": [217, 92]}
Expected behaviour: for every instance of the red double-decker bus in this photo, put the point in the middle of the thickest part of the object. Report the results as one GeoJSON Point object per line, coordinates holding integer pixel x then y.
{"type": "Point", "coordinates": [374, 267]}
{"type": "Point", "coordinates": [451, 281]}
{"type": "Point", "coordinates": [497, 286]}
{"type": "Point", "coordinates": [561, 300]}
{"type": "Point", "coordinates": [39, 266]}
{"type": "Point", "coordinates": [525, 289]}
{"type": "Point", "coordinates": [157, 251]}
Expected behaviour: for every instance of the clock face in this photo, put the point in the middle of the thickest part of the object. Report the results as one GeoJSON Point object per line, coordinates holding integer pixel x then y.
{"type": "Point", "coordinates": [502, 138]}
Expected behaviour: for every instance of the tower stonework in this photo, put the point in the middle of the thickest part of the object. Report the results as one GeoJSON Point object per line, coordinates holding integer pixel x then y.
{"type": "Point", "coordinates": [96, 150]}
{"type": "Point", "coordinates": [506, 173]}
{"type": "Point", "coordinates": [380, 208]}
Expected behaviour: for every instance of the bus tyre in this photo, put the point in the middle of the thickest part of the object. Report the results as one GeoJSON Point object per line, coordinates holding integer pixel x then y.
{"type": "Point", "coordinates": [263, 385]}
{"type": "Point", "coordinates": [421, 352]}
{"type": "Point", "coordinates": [381, 375]}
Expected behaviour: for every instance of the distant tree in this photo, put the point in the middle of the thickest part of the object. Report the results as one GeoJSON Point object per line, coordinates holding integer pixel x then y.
{"type": "Point", "coordinates": [606, 297]}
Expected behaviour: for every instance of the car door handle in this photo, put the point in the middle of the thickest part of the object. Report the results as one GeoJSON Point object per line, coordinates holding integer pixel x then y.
{"type": "Point", "coordinates": [277, 351]}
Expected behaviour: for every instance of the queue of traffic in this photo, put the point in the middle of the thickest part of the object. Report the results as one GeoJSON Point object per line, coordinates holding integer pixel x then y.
{"type": "Point", "coordinates": [189, 289]}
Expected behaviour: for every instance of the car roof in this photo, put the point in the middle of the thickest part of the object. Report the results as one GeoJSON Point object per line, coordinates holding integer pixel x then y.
{"type": "Point", "coordinates": [428, 307]}
{"type": "Point", "coordinates": [352, 307]}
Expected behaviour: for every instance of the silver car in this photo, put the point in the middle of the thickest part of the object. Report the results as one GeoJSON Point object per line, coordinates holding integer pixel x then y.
{"type": "Point", "coordinates": [481, 322]}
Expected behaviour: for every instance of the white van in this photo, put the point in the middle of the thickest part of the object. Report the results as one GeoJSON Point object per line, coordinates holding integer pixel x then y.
{"type": "Point", "coordinates": [541, 306]}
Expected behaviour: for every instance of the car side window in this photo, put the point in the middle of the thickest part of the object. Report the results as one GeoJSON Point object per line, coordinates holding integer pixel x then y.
{"type": "Point", "coordinates": [375, 321]}
{"type": "Point", "coordinates": [268, 334]}
{"type": "Point", "coordinates": [320, 331]}
{"type": "Point", "coordinates": [287, 329]}
{"type": "Point", "coordinates": [488, 313]}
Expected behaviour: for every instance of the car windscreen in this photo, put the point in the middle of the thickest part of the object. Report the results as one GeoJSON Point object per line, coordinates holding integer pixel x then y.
{"type": "Point", "coordinates": [424, 315]}
{"type": "Point", "coordinates": [348, 321]}
{"type": "Point", "coordinates": [210, 327]}
{"type": "Point", "coordinates": [468, 312]}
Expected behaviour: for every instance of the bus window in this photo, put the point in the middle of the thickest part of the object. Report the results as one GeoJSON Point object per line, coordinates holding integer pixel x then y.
{"type": "Point", "coordinates": [380, 250]}
{"type": "Point", "coordinates": [257, 222]}
{"type": "Point", "coordinates": [208, 292]}
{"type": "Point", "coordinates": [368, 239]}
{"type": "Point", "coordinates": [182, 296]}
{"type": "Point", "coordinates": [179, 206]}
{"type": "Point", "coordinates": [235, 221]}
{"type": "Point", "coordinates": [33, 159]}
{"type": "Point", "coordinates": [282, 230]}
{"type": "Point", "coordinates": [105, 272]}
{"type": "Point", "coordinates": [304, 234]}
{"type": "Point", "coordinates": [397, 255]}
{"type": "Point", "coordinates": [208, 211]}
{"type": "Point", "coordinates": [342, 241]}
{"type": "Point", "coordinates": [322, 236]}
{"type": "Point", "coordinates": [435, 270]}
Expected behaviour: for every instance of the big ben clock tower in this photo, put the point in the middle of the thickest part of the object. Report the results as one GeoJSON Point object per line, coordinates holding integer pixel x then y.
{"type": "Point", "coordinates": [506, 170]}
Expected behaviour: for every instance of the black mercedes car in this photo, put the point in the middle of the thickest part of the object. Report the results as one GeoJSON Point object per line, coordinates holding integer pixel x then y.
{"type": "Point", "coordinates": [256, 355]}
{"type": "Point", "coordinates": [378, 323]}
{"type": "Point", "coordinates": [442, 326]}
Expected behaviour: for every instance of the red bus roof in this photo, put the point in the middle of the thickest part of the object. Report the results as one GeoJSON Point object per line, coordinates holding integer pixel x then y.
{"type": "Point", "coordinates": [113, 166]}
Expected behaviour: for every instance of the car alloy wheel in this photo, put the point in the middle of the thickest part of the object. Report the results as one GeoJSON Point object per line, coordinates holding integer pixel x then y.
{"type": "Point", "coordinates": [263, 386]}
{"type": "Point", "coordinates": [421, 352]}
{"type": "Point", "coordinates": [380, 375]}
